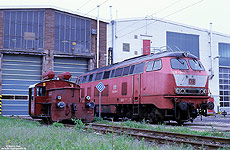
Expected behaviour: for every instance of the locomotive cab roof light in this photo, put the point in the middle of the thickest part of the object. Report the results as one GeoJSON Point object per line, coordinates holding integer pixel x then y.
{"type": "Point", "coordinates": [48, 75]}
{"type": "Point", "coordinates": [64, 76]}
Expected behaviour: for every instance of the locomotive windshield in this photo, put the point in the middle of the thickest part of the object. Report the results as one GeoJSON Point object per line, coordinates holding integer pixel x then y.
{"type": "Point", "coordinates": [195, 65]}
{"type": "Point", "coordinates": [41, 91]}
{"type": "Point", "coordinates": [178, 63]}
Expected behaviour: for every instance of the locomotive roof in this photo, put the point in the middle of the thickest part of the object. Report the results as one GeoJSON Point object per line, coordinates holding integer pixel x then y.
{"type": "Point", "coordinates": [141, 59]}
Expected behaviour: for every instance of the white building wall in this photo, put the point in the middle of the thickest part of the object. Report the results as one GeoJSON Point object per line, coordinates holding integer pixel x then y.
{"type": "Point", "coordinates": [155, 31]}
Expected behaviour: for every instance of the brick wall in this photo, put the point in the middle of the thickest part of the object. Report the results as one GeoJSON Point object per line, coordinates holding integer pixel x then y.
{"type": "Point", "coordinates": [102, 44]}
{"type": "Point", "coordinates": [49, 40]}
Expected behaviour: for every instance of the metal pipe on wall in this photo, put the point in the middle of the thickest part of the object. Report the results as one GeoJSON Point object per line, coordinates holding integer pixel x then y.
{"type": "Point", "coordinates": [98, 35]}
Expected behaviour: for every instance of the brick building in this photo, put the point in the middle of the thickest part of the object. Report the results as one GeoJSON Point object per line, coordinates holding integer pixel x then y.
{"type": "Point", "coordinates": [37, 40]}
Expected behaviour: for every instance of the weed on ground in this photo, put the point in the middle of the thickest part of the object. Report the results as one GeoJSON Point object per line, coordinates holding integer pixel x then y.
{"type": "Point", "coordinates": [31, 135]}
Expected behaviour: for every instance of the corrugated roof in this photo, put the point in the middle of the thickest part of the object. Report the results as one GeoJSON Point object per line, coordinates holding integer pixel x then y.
{"type": "Point", "coordinates": [52, 7]}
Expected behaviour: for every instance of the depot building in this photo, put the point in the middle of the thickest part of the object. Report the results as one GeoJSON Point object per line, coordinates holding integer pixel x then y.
{"type": "Point", "coordinates": [36, 40]}
{"type": "Point", "coordinates": [142, 36]}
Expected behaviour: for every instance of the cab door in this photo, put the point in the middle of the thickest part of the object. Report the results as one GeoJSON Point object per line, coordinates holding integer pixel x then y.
{"type": "Point", "coordinates": [136, 88]}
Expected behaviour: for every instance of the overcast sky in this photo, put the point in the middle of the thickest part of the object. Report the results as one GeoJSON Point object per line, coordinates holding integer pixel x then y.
{"type": "Point", "coordinates": [197, 13]}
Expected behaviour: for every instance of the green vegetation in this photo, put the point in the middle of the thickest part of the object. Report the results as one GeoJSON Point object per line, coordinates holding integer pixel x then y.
{"type": "Point", "coordinates": [32, 136]}
{"type": "Point", "coordinates": [163, 127]}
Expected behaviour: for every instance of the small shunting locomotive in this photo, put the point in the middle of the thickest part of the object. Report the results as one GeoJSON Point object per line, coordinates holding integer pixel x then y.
{"type": "Point", "coordinates": [58, 99]}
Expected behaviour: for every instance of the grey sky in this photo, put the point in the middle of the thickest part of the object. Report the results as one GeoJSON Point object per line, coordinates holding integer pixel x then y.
{"type": "Point", "coordinates": [200, 14]}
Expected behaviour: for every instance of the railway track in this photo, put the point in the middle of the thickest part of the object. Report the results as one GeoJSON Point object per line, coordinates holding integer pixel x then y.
{"type": "Point", "coordinates": [164, 137]}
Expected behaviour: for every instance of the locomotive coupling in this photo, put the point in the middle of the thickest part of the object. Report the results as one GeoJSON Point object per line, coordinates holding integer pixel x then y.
{"type": "Point", "coordinates": [183, 105]}
{"type": "Point", "coordinates": [209, 105]}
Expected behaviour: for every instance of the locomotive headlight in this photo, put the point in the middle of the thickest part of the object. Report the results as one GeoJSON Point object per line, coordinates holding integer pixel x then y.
{"type": "Point", "coordinates": [177, 90]}
{"type": "Point", "coordinates": [90, 105]}
{"type": "Point", "coordinates": [87, 98]}
{"type": "Point", "coordinates": [58, 97]}
{"type": "Point", "coordinates": [203, 91]}
{"type": "Point", "coordinates": [60, 104]}
{"type": "Point", "coordinates": [182, 91]}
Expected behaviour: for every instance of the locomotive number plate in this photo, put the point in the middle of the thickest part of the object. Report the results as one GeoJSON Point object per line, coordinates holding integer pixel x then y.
{"type": "Point", "coordinates": [192, 81]}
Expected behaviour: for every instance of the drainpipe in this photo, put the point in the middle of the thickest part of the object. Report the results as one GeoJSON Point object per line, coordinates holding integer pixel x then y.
{"type": "Point", "coordinates": [98, 36]}
{"type": "Point", "coordinates": [210, 56]}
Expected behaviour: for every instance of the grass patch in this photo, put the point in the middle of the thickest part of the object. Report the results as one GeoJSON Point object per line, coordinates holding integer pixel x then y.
{"type": "Point", "coordinates": [163, 127]}
{"type": "Point", "coordinates": [31, 135]}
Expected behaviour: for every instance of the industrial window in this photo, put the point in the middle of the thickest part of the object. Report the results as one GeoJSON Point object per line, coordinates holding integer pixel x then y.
{"type": "Point", "coordinates": [157, 65]}
{"type": "Point", "coordinates": [124, 88]}
{"type": "Point", "coordinates": [126, 47]}
{"type": "Point", "coordinates": [72, 34]}
{"type": "Point", "coordinates": [178, 63]}
{"type": "Point", "coordinates": [23, 29]}
{"type": "Point", "coordinates": [90, 77]}
{"type": "Point", "coordinates": [184, 42]}
{"type": "Point", "coordinates": [41, 91]}
{"type": "Point", "coordinates": [224, 86]}
{"type": "Point", "coordinates": [139, 68]}
{"type": "Point", "coordinates": [224, 52]}
{"type": "Point", "coordinates": [118, 72]}
{"type": "Point", "coordinates": [106, 74]}
{"type": "Point", "coordinates": [126, 71]}
{"type": "Point", "coordinates": [98, 76]}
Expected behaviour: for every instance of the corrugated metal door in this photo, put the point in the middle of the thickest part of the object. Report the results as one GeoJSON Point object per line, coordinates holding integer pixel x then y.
{"type": "Point", "coordinates": [18, 72]}
{"type": "Point", "coordinates": [75, 66]}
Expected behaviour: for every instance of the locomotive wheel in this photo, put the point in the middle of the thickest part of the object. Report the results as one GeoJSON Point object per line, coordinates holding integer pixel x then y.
{"type": "Point", "coordinates": [180, 122]}
{"type": "Point", "coordinates": [47, 120]}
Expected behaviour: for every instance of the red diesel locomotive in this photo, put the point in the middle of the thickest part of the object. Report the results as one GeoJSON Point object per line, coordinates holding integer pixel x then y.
{"type": "Point", "coordinates": [58, 100]}
{"type": "Point", "coordinates": [157, 87]}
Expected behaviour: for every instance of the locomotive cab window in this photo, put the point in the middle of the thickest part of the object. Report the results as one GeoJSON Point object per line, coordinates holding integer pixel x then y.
{"type": "Point", "coordinates": [179, 63]}
{"type": "Point", "coordinates": [131, 69]}
{"type": "Point", "coordinates": [31, 93]}
{"type": "Point", "coordinates": [157, 65]}
{"type": "Point", "coordinates": [139, 68]}
{"type": "Point", "coordinates": [91, 77]}
{"type": "Point", "coordinates": [126, 71]}
{"type": "Point", "coordinates": [112, 73]}
{"type": "Point", "coordinates": [195, 65]}
{"type": "Point", "coordinates": [118, 72]}
{"type": "Point", "coordinates": [41, 91]}
{"type": "Point", "coordinates": [98, 76]}
{"type": "Point", "coordinates": [154, 65]}
{"type": "Point", "coordinates": [84, 79]}
{"type": "Point", "coordinates": [106, 74]}
{"type": "Point", "coordinates": [150, 66]}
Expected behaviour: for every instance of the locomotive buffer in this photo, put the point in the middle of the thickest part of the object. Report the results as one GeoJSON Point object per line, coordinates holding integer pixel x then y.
{"type": "Point", "coordinates": [100, 87]}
